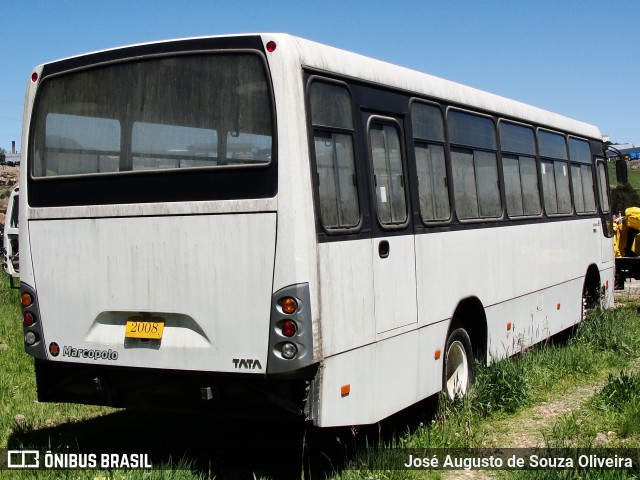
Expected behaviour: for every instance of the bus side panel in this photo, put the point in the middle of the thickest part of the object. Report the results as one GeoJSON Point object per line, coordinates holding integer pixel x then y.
{"type": "Point", "coordinates": [607, 279]}
{"type": "Point", "coordinates": [389, 375]}
{"type": "Point", "coordinates": [499, 264]}
{"type": "Point", "coordinates": [522, 322]}
{"type": "Point", "coordinates": [382, 378]}
{"type": "Point", "coordinates": [346, 299]}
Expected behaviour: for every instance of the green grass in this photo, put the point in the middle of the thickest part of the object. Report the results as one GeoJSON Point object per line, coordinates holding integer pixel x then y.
{"type": "Point", "coordinates": [602, 349]}
{"type": "Point", "coordinates": [633, 176]}
{"type": "Point", "coordinates": [19, 410]}
{"type": "Point", "coordinates": [610, 419]}
{"type": "Point", "coordinates": [63, 427]}
{"type": "Point", "coordinates": [572, 474]}
{"type": "Point", "coordinates": [605, 342]}
{"type": "Point", "coordinates": [621, 397]}
{"type": "Point", "coordinates": [624, 196]}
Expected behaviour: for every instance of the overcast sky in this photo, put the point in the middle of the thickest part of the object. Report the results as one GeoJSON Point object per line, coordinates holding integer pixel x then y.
{"type": "Point", "coordinates": [576, 58]}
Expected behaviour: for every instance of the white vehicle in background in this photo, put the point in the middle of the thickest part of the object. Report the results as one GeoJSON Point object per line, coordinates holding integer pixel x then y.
{"type": "Point", "coordinates": [241, 222]}
{"type": "Point", "coordinates": [10, 244]}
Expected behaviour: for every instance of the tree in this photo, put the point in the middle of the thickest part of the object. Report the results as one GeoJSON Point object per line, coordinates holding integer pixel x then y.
{"type": "Point", "coordinates": [3, 156]}
{"type": "Point", "coordinates": [622, 197]}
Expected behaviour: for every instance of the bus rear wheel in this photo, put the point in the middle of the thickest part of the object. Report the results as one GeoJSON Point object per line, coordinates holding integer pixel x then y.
{"type": "Point", "coordinates": [591, 297]}
{"type": "Point", "coordinates": [457, 370]}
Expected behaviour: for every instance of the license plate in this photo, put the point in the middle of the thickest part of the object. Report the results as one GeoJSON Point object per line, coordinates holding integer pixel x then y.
{"type": "Point", "coordinates": [139, 327]}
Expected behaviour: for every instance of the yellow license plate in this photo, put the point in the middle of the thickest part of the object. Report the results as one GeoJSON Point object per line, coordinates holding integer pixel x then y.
{"type": "Point", "coordinates": [140, 327]}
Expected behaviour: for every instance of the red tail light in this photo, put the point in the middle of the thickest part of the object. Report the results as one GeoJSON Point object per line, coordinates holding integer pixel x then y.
{"type": "Point", "coordinates": [28, 319]}
{"type": "Point", "coordinates": [289, 328]}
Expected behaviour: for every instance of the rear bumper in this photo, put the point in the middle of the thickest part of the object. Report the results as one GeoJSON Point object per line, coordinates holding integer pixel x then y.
{"type": "Point", "coordinates": [223, 394]}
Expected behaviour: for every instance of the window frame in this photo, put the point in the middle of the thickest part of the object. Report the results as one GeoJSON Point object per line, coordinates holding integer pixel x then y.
{"type": "Point", "coordinates": [531, 155]}
{"type": "Point", "coordinates": [384, 120]}
{"type": "Point", "coordinates": [602, 162]}
{"type": "Point", "coordinates": [172, 185]}
{"type": "Point", "coordinates": [496, 152]}
{"type": "Point", "coordinates": [553, 160]}
{"type": "Point", "coordinates": [311, 129]}
{"type": "Point", "coordinates": [577, 163]}
{"type": "Point", "coordinates": [447, 160]}
{"type": "Point", "coordinates": [127, 133]}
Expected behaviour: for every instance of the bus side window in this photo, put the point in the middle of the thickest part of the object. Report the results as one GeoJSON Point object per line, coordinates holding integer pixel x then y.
{"type": "Point", "coordinates": [519, 168]}
{"type": "Point", "coordinates": [604, 189]}
{"type": "Point", "coordinates": [386, 158]}
{"type": "Point", "coordinates": [474, 165]}
{"type": "Point", "coordinates": [555, 173]}
{"type": "Point", "coordinates": [582, 176]}
{"type": "Point", "coordinates": [332, 118]}
{"type": "Point", "coordinates": [433, 186]}
{"type": "Point", "coordinates": [549, 187]}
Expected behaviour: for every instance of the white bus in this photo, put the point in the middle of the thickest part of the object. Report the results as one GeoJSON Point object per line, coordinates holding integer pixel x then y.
{"type": "Point", "coordinates": [263, 225]}
{"type": "Point", "coordinates": [10, 252]}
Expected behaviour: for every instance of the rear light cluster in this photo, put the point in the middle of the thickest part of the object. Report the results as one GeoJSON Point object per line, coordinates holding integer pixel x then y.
{"type": "Point", "coordinates": [29, 319]}
{"type": "Point", "coordinates": [287, 327]}
{"type": "Point", "coordinates": [290, 333]}
{"type": "Point", "coordinates": [31, 323]}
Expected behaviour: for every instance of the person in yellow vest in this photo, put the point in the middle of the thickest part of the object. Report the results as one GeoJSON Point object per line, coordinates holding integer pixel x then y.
{"type": "Point", "coordinates": [632, 215]}
{"type": "Point", "coordinates": [620, 231]}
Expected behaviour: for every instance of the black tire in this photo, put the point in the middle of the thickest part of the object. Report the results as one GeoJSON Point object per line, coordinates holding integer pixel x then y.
{"type": "Point", "coordinates": [591, 298]}
{"type": "Point", "coordinates": [457, 367]}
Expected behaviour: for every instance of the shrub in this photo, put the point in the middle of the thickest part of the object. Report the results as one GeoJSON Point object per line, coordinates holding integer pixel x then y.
{"type": "Point", "coordinates": [609, 331]}
{"type": "Point", "coordinates": [621, 389]}
{"type": "Point", "coordinates": [503, 386]}
{"type": "Point", "coordinates": [624, 196]}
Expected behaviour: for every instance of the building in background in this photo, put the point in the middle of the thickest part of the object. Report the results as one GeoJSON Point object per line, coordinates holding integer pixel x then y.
{"type": "Point", "coordinates": [629, 151]}
{"type": "Point", "coordinates": [12, 158]}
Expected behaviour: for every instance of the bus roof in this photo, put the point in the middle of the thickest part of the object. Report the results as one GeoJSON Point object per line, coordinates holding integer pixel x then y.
{"type": "Point", "coordinates": [317, 56]}
{"type": "Point", "coordinates": [322, 57]}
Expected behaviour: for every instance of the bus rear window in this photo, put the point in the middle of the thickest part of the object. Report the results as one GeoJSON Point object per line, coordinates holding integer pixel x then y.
{"type": "Point", "coordinates": [188, 111]}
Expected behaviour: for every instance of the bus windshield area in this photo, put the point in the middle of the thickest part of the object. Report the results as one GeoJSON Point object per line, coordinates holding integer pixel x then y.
{"type": "Point", "coordinates": [185, 111]}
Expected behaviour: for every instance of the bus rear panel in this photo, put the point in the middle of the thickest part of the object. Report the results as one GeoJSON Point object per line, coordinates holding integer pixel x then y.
{"type": "Point", "coordinates": [152, 214]}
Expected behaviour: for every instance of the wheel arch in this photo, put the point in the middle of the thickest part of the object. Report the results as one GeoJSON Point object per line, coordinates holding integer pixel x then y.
{"type": "Point", "coordinates": [470, 315]}
{"type": "Point", "coordinates": [591, 288]}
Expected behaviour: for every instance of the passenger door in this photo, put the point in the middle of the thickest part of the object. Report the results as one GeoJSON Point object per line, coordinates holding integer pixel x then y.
{"type": "Point", "coordinates": [393, 248]}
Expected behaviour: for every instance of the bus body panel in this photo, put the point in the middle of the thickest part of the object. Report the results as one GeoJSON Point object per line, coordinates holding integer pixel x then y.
{"type": "Point", "coordinates": [208, 276]}
{"type": "Point", "coordinates": [521, 322]}
{"type": "Point", "coordinates": [346, 302]}
{"type": "Point", "coordinates": [607, 253]}
{"type": "Point", "coordinates": [382, 378]}
{"type": "Point", "coordinates": [296, 248]}
{"type": "Point", "coordinates": [386, 376]}
{"type": "Point", "coordinates": [519, 258]}
{"type": "Point", "coordinates": [394, 282]}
